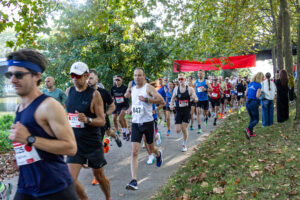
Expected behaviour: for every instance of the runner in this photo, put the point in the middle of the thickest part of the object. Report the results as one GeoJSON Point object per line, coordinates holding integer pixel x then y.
{"type": "Point", "coordinates": [162, 92]}
{"type": "Point", "coordinates": [169, 94]}
{"type": "Point", "coordinates": [86, 116]}
{"type": "Point", "coordinates": [193, 104]}
{"type": "Point", "coordinates": [54, 92]}
{"type": "Point", "coordinates": [215, 98]}
{"type": "Point", "coordinates": [202, 87]}
{"type": "Point", "coordinates": [227, 94]}
{"type": "Point", "coordinates": [40, 133]}
{"type": "Point", "coordinates": [183, 94]}
{"type": "Point", "coordinates": [240, 89]}
{"type": "Point", "coordinates": [223, 88]}
{"type": "Point", "coordinates": [122, 104]}
{"type": "Point", "coordinates": [232, 81]}
{"type": "Point", "coordinates": [143, 96]}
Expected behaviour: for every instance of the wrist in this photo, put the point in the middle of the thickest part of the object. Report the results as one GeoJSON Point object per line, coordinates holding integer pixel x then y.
{"type": "Point", "coordinates": [31, 140]}
{"type": "Point", "coordinates": [147, 100]}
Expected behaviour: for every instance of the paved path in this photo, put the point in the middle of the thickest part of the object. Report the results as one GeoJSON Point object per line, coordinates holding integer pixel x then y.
{"type": "Point", "coordinates": [150, 177]}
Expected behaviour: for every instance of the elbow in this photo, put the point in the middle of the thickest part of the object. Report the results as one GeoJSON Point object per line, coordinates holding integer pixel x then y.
{"type": "Point", "coordinates": [72, 149]}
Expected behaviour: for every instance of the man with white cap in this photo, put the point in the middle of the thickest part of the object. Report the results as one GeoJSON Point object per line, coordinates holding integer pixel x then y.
{"type": "Point", "coordinates": [86, 115]}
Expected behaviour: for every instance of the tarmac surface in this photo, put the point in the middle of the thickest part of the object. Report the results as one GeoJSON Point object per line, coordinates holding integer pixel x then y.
{"type": "Point", "coordinates": [150, 177]}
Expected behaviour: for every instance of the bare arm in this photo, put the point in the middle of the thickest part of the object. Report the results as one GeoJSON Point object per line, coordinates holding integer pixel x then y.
{"type": "Point", "coordinates": [51, 116]}
{"type": "Point", "coordinates": [128, 91]}
{"type": "Point", "coordinates": [209, 89]}
{"type": "Point", "coordinates": [111, 109]}
{"type": "Point", "coordinates": [173, 97]}
{"type": "Point", "coordinates": [258, 93]}
{"type": "Point", "coordinates": [192, 94]}
{"type": "Point", "coordinates": [156, 98]}
{"type": "Point", "coordinates": [97, 107]}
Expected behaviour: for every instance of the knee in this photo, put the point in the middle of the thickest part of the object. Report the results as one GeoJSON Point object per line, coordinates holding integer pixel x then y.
{"type": "Point", "coordinates": [134, 154]}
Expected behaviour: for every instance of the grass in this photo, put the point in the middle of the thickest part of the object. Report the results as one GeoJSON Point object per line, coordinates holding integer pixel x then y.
{"type": "Point", "coordinates": [228, 166]}
{"type": "Point", "coordinates": [5, 123]}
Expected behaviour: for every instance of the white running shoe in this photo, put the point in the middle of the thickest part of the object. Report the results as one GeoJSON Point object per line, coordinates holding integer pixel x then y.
{"type": "Point", "coordinates": [151, 159]}
{"type": "Point", "coordinates": [158, 141]}
{"type": "Point", "coordinates": [184, 149]}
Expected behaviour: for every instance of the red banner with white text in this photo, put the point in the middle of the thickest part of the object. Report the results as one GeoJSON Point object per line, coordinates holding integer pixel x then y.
{"type": "Point", "coordinates": [232, 62]}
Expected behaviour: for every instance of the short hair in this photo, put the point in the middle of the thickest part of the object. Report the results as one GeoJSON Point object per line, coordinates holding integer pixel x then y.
{"type": "Point", "coordinates": [119, 76]}
{"type": "Point", "coordinates": [181, 74]}
{"type": "Point", "coordinates": [94, 71]}
{"type": "Point", "coordinates": [140, 68]}
{"type": "Point", "coordinates": [29, 55]}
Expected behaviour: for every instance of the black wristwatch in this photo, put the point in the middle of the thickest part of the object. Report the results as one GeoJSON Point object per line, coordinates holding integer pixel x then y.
{"type": "Point", "coordinates": [89, 120]}
{"type": "Point", "coordinates": [30, 140]}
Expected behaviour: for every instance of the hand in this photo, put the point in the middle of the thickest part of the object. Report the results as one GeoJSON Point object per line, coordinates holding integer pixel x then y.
{"type": "Point", "coordinates": [19, 133]}
{"type": "Point", "coordinates": [129, 111]}
{"type": "Point", "coordinates": [82, 117]}
{"type": "Point", "coordinates": [141, 98]}
{"type": "Point", "coordinates": [171, 107]}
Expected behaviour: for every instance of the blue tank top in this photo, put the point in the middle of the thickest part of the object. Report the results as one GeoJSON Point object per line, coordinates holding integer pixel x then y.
{"type": "Point", "coordinates": [169, 97]}
{"type": "Point", "coordinates": [51, 173]}
{"type": "Point", "coordinates": [202, 96]}
{"type": "Point", "coordinates": [88, 139]}
{"type": "Point", "coordinates": [154, 109]}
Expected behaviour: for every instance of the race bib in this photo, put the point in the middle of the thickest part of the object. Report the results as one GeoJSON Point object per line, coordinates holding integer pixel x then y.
{"type": "Point", "coordinates": [227, 95]}
{"type": "Point", "coordinates": [200, 89]}
{"type": "Point", "coordinates": [120, 99]}
{"type": "Point", "coordinates": [214, 94]}
{"type": "Point", "coordinates": [240, 94]}
{"type": "Point", "coordinates": [25, 154]}
{"type": "Point", "coordinates": [74, 121]}
{"type": "Point", "coordinates": [138, 110]}
{"type": "Point", "coordinates": [183, 103]}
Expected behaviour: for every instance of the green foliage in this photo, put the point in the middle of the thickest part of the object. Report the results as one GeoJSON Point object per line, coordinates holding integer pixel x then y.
{"type": "Point", "coordinates": [2, 79]}
{"type": "Point", "coordinates": [5, 123]}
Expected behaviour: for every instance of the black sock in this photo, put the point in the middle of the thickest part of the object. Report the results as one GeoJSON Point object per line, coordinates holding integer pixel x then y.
{"type": "Point", "coordinates": [199, 126]}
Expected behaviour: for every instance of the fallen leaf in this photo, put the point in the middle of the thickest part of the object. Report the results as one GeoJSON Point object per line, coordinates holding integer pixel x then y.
{"type": "Point", "coordinates": [237, 181]}
{"type": "Point", "coordinates": [254, 194]}
{"type": "Point", "coordinates": [218, 190]}
{"type": "Point", "coordinates": [204, 184]}
{"type": "Point", "coordinates": [223, 183]}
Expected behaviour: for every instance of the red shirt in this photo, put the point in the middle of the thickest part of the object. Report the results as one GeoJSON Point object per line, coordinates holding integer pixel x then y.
{"type": "Point", "coordinates": [228, 89]}
{"type": "Point", "coordinates": [216, 93]}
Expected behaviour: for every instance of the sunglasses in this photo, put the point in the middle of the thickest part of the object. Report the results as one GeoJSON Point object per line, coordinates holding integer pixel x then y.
{"type": "Point", "coordinates": [18, 75]}
{"type": "Point", "coordinates": [117, 80]}
{"type": "Point", "coordinates": [181, 79]}
{"type": "Point", "coordinates": [76, 76]}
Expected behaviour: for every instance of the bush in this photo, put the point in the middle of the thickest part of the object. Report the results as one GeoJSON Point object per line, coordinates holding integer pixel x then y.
{"type": "Point", "coordinates": [5, 123]}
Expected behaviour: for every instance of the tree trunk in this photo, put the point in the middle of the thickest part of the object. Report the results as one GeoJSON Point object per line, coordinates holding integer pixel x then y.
{"type": "Point", "coordinates": [274, 60]}
{"type": "Point", "coordinates": [297, 120]}
{"type": "Point", "coordinates": [279, 41]}
{"type": "Point", "coordinates": [287, 37]}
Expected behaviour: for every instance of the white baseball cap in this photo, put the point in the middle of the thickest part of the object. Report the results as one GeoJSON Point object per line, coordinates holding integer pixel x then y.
{"type": "Point", "coordinates": [79, 68]}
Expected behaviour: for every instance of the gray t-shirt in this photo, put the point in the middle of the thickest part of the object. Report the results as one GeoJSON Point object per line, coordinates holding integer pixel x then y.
{"type": "Point", "coordinates": [57, 94]}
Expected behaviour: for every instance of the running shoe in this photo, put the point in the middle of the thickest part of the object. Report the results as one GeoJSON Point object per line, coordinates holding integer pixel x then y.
{"type": "Point", "coordinates": [132, 185]}
{"type": "Point", "coordinates": [206, 122]}
{"type": "Point", "coordinates": [159, 159]}
{"type": "Point", "coordinates": [118, 133]}
{"type": "Point", "coordinates": [199, 131]}
{"type": "Point", "coordinates": [243, 109]}
{"type": "Point", "coordinates": [168, 133]}
{"type": "Point", "coordinates": [253, 135]}
{"type": "Point", "coordinates": [95, 182]}
{"type": "Point", "coordinates": [191, 128]}
{"type": "Point", "coordinates": [184, 149]}
{"type": "Point", "coordinates": [215, 122]}
{"type": "Point", "coordinates": [158, 141]}
{"type": "Point", "coordinates": [124, 136]}
{"type": "Point", "coordinates": [118, 141]}
{"type": "Point", "coordinates": [239, 112]}
{"type": "Point", "coordinates": [128, 136]}
{"type": "Point", "coordinates": [165, 124]}
{"type": "Point", "coordinates": [5, 191]}
{"type": "Point", "coordinates": [247, 133]}
{"type": "Point", "coordinates": [150, 160]}
{"type": "Point", "coordinates": [159, 121]}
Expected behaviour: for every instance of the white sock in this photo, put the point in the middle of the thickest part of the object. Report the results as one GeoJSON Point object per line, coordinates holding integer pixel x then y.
{"type": "Point", "coordinates": [126, 130]}
{"type": "Point", "coordinates": [184, 142]}
{"type": "Point", "coordinates": [123, 130]}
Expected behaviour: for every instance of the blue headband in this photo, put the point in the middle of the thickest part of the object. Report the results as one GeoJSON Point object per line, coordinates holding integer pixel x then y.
{"type": "Point", "coordinates": [25, 64]}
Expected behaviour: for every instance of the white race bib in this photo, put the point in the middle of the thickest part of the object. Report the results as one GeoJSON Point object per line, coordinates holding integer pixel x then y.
{"type": "Point", "coordinates": [74, 121]}
{"type": "Point", "coordinates": [25, 154]}
{"type": "Point", "coordinates": [227, 95]}
{"type": "Point", "coordinates": [199, 89]}
{"type": "Point", "coordinates": [214, 94]}
{"type": "Point", "coordinates": [240, 94]}
{"type": "Point", "coordinates": [183, 103]}
{"type": "Point", "coordinates": [138, 110]}
{"type": "Point", "coordinates": [120, 99]}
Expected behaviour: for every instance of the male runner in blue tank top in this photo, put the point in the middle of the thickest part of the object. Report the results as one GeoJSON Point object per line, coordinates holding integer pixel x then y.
{"type": "Point", "coordinates": [41, 133]}
{"type": "Point", "coordinates": [184, 95]}
{"type": "Point", "coordinates": [202, 87]}
{"type": "Point", "coordinates": [86, 116]}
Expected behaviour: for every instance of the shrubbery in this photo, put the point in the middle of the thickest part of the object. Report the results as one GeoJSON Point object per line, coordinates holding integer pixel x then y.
{"type": "Point", "coordinates": [5, 123]}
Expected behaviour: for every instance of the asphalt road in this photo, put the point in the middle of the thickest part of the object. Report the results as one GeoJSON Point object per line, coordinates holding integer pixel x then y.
{"type": "Point", "coordinates": [150, 177]}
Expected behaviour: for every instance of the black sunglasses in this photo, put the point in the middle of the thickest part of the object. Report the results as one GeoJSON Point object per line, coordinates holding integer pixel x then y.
{"type": "Point", "coordinates": [18, 75]}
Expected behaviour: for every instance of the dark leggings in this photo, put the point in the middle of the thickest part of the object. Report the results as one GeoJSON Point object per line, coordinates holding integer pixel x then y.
{"type": "Point", "coordinates": [67, 193]}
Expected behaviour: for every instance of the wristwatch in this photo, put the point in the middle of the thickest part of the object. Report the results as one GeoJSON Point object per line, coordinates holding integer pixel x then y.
{"type": "Point", "coordinates": [30, 140]}
{"type": "Point", "coordinates": [89, 120]}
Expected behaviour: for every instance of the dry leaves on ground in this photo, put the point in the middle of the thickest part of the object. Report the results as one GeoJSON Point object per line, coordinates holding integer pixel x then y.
{"type": "Point", "coordinates": [7, 165]}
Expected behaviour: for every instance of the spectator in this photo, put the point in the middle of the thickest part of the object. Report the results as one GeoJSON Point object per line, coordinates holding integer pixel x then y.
{"type": "Point", "coordinates": [282, 96]}
{"type": "Point", "coordinates": [267, 104]}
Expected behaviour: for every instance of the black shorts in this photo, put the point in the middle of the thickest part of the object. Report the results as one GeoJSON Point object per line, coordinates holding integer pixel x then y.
{"type": "Point", "coordinates": [165, 108]}
{"type": "Point", "coordinates": [67, 193]}
{"type": "Point", "coordinates": [240, 97]}
{"type": "Point", "coordinates": [228, 98]}
{"type": "Point", "coordinates": [94, 159]}
{"type": "Point", "coordinates": [215, 102]}
{"type": "Point", "coordinates": [119, 108]}
{"type": "Point", "coordinates": [203, 104]}
{"type": "Point", "coordinates": [183, 116]}
{"type": "Point", "coordinates": [222, 100]}
{"type": "Point", "coordinates": [138, 130]}
{"type": "Point", "coordinates": [193, 104]}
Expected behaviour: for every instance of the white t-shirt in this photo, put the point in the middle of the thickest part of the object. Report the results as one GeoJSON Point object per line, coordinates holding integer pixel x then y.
{"type": "Point", "coordinates": [269, 94]}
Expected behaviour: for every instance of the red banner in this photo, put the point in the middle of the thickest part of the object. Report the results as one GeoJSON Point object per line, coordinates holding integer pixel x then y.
{"type": "Point", "coordinates": [232, 62]}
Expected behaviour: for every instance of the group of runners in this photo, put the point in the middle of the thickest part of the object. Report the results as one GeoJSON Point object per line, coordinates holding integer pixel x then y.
{"type": "Point", "coordinates": [45, 130]}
